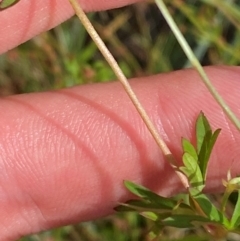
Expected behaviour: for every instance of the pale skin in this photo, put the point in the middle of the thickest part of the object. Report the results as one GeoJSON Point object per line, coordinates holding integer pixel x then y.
{"type": "Point", "coordinates": [64, 154]}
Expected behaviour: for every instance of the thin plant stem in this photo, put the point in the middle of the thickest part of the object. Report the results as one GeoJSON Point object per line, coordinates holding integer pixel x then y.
{"type": "Point", "coordinates": [194, 61]}
{"type": "Point", "coordinates": [121, 77]}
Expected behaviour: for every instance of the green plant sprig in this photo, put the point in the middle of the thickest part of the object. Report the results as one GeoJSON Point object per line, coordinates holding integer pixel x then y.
{"type": "Point", "coordinates": [192, 209]}
{"type": "Point", "coordinates": [196, 160]}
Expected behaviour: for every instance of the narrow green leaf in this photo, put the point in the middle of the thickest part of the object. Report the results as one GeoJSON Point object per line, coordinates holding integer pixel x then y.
{"type": "Point", "coordinates": [202, 127]}
{"type": "Point", "coordinates": [148, 205]}
{"type": "Point", "coordinates": [235, 220]}
{"type": "Point", "coordinates": [210, 210]}
{"type": "Point", "coordinates": [143, 205]}
{"type": "Point", "coordinates": [204, 159]}
{"type": "Point", "coordinates": [193, 172]}
{"type": "Point", "coordinates": [7, 3]}
{"type": "Point", "coordinates": [205, 142]}
{"type": "Point", "coordinates": [204, 147]}
{"type": "Point", "coordinates": [125, 208]}
{"type": "Point", "coordinates": [147, 194]}
{"type": "Point", "coordinates": [150, 215]}
{"type": "Point", "coordinates": [191, 167]}
{"type": "Point", "coordinates": [189, 148]}
{"type": "Point", "coordinates": [184, 221]}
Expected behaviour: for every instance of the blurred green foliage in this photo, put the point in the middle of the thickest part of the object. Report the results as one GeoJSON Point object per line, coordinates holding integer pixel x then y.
{"type": "Point", "coordinates": [142, 43]}
{"type": "Point", "coordinates": [121, 227]}
{"type": "Point", "coordinates": [137, 36]}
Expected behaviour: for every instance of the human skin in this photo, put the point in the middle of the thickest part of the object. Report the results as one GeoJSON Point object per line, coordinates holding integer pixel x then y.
{"type": "Point", "coordinates": [65, 154]}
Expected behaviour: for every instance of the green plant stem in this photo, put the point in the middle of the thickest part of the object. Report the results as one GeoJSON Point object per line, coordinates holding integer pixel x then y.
{"type": "Point", "coordinates": [194, 61]}
{"type": "Point", "coordinates": [118, 72]}
{"type": "Point", "coordinates": [228, 191]}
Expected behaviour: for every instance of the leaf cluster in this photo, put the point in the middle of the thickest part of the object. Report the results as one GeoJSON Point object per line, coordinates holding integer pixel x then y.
{"type": "Point", "coordinates": [196, 160]}
{"type": "Point", "coordinates": [192, 209]}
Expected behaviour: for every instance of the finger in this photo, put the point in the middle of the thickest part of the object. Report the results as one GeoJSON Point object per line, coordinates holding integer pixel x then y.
{"type": "Point", "coordinates": [65, 154]}
{"type": "Point", "coordinates": [29, 18]}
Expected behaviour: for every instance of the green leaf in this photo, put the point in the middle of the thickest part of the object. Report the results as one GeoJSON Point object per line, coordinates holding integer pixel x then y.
{"type": "Point", "coordinates": [150, 215]}
{"type": "Point", "coordinates": [158, 208]}
{"type": "Point", "coordinates": [143, 205]}
{"type": "Point", "coordinates": [235, 220]}
{"type": "Point", "coordinates": [193, 172]}
{"type": "Point", "coordinates": [205, 142]}
{"type": "Point", "coordinates": [189, 148]}
{"type": "Point", "coordinates": [147, 194]}
{"type": "Point", "coordinates": [204, 147]}
{"type": "Point", "coordinates": [205, 152]}
{"type": "Point", "coordinates": [124, 207]}
{"type": "Point", "coordinates": [184, 221]}
{"type": "Point", "coordinates": [202, 127]}
{"type": "Point", "coordinates": [7, 3]}
{"type": "Point", "coordinates": [210, 210]}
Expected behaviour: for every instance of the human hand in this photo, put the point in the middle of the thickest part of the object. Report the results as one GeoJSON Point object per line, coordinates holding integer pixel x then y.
{"type": "Point", "coordinates": [64, 154]}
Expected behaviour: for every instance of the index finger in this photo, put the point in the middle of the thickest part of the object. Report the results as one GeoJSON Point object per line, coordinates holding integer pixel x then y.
{"type": "Point", "coordinates": [29, 18]}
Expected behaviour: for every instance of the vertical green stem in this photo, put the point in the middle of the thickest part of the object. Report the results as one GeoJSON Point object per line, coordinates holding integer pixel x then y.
{"type": "Point", "coordinates": [188, 51]}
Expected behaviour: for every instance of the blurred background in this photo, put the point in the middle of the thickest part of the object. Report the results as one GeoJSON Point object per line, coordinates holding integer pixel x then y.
{"type": "Point", "coordinates": [142, 43]}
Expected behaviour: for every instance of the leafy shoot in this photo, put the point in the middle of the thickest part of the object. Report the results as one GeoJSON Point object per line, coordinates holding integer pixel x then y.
{"type": "Point", "coordinates": [192, 209]}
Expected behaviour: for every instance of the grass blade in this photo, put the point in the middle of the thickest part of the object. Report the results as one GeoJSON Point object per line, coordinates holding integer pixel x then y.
{"type": "Point", "coordinates": [189, 53]}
